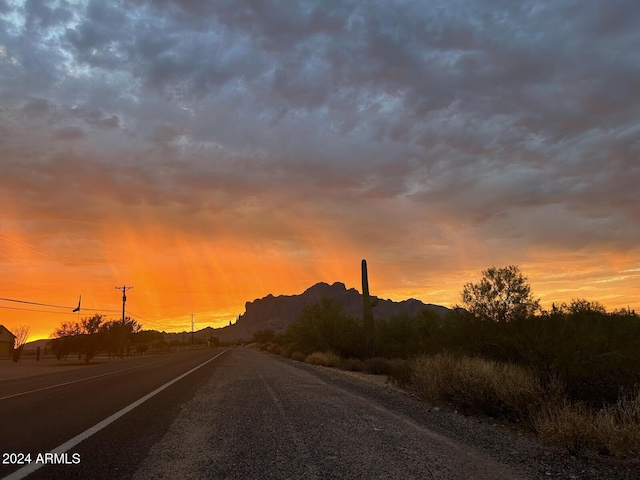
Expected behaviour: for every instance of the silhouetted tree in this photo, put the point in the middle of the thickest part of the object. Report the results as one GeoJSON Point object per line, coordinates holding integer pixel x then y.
{"type": "Point", "coordinates": [91, 325]}
{"type": "Point", "coordinates": [92, 335]}
{"type": "Point", "coordinates": [502, 294]}
{"type": "Point", "coordinates": [116, 336]}
{"type": "Point", "coordinates": [66, 339]}
{"type": "Point", "coordinates": [22, 334]}
{"type": "Point", "coordinates": [583, 306]}
{"type": "Point", "coordinates": [82, 338]}
{"type": "Point", "coordinates": [264, 336]}
{"type": "Point", "coordinates": [322, 327]}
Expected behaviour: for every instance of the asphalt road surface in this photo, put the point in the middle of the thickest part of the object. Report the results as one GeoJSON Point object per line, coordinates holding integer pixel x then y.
{"type": "Point", "coordinates": [41, 413]}
{"type": "Point", "coordinates": [244, 414]}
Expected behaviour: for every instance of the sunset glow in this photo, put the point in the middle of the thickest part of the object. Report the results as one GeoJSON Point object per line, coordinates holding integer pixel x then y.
{"type": "Point", "coordinates": [209, 156]}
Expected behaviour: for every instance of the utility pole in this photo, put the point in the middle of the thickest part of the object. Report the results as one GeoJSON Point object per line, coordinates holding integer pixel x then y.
{"type": "Point", "coordinates": [192, 329]}
{"type": "Point", "coordinates": [124, 289]}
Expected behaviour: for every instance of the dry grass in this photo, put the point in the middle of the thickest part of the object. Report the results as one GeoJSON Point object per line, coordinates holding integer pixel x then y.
{"type": "Point", "coordinates": [613, 430]}
{"type": "Point", "coordinates": [326, 359]}
{"type": "Point", "coordinates": [377, 366]}
{"type": "Point", "coordinates": [476, 384]}
{"type": "Point", "coordinates": [513, 392]}
{"type": "Point", "coordinates": [566, 425]}
{"type": "Point", "coordinates": [297, 356]}
{"type": "Point", "coordinates": [352, 365]}
{"type": "Point", "coordinates": [619, 426]}
{"type": "Point", "coordinates": [274, 348]}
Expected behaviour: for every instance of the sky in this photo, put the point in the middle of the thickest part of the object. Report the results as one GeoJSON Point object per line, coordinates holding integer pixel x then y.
{"type": "Point", "coordinates": [208, 153]}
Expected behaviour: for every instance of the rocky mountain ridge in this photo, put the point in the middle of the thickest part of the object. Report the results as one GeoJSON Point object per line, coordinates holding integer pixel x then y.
{"type": "Point", "coordinates": [277, 312]}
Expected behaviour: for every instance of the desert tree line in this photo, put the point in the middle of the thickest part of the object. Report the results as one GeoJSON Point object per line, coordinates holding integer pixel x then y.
{"type": "Point", "coordinates": [93, 335]}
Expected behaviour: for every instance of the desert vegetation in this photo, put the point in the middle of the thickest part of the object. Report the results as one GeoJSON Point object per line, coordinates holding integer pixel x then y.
{"type": "Point", "coordinates": [21, 333]}
{"type": "Point", "coordinates": [95, 334]}
{"type": "Point", "coordinates": [571, 374]}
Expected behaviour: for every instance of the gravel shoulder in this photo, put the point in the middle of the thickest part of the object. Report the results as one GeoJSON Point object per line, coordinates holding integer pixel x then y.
{"type": "Point", "coordinates": [504, 443]}
{"type": "Point", "coordinates": [263, 416]}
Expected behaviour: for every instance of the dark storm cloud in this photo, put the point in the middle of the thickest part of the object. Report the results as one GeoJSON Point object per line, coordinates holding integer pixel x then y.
{"type": "Point", "coordinates": [41, 15]}
{"type": "Point", "coordinates": [493, 113]}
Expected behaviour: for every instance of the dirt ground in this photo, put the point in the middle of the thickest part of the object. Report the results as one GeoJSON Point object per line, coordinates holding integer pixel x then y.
{"type": "Point", "coordinates": [29, 367]}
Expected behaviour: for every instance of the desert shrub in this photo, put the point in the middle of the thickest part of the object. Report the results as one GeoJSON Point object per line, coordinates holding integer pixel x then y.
{"type": "Point", "coordinates": [566, 425]}
{"type": "Point", "coordinates": [513, 392]}
{"type": "Point", "coordinates": [400, 372]}
{"type": "Point", "coordinates": [323, 327]}
{"type": "Point", "coordinates": [326, 359]}
{"type": "Point", "coordinates": [352, 365]}
{"type": "Point", "coordinates": [405, 335]}
{"type": "Point", "coordinates": [297, 356]}
{"type": "Point", "coordinates": [264, 336]}
{"type": "Point", "coordinates": [618, 426]}
{"type": "Point", "coordinates": [577, 427]}
{"type": "Point", "coordinates": [377, 366]}
{"type": "Point", "coordinates": [592, 353]}
{"type": "Point", "coordinates": [476, 384]}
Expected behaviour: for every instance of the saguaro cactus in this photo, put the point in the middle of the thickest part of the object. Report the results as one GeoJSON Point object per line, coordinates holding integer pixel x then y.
{"type": "Point", "coordinates": [367, 311]}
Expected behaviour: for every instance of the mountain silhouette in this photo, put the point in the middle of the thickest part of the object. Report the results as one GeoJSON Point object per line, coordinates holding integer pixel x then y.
{"type": "Point", "coordinates": [277, 313]}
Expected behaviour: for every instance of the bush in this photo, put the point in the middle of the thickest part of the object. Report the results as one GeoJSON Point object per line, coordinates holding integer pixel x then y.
{"type": "Point", "coordinates": [352, 365]}
{"type": "Point", "coordinates": [377, 366]}
{"type": "Point", "coordinates": [566, 425]}
{"type": "Point", "coordinates": [512, 392]}
{"type": "Point", "coordinates": [619, 426]}
{"type": "Point", "coordinates": [593, 354]}
{"type": "Point", "coordinates": [400, 373]}
{"type": "Point", "coordinates": [328, 359]}
{"type": "Point", "coordinates": [476, 384]}
{"type": "Point", "coordinates": [405, 335]}
{"type": "Point", "coordinates": [297, 356]}
{"type": "Point", "coordinates": [323, 327]}
{"type": "Point", "coordinates": [264, 336]}
{"type": "Point", "coordinates": [577, 427]}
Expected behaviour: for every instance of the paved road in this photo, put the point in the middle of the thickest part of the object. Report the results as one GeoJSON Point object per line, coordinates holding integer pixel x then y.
{"type": "Point", "coordinates": [38, 414]}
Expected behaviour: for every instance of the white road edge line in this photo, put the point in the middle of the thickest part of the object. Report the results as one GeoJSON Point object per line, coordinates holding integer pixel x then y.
{"type": "Point", "coordinates": [32, 467]}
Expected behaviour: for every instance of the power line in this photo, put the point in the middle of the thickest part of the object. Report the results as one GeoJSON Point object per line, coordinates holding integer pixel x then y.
{"type": "Point", "coordinates": [55, 306]}
{"type": "Point", "coordinates": [34, 303]}
{"type": "Point", "coordinates": [34, 310]}
{"type": "Point", "coordinates": [140, 317]}
{"type": "Point", "coordinates": [66, 307]}
{"type": "Point", "coordinates": [150, 324]}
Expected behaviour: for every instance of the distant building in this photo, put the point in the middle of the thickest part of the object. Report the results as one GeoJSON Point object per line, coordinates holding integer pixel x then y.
{"type": "Point", "coordinates": [7, 340]}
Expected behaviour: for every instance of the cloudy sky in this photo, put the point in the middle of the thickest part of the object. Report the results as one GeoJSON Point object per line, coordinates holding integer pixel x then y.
{"type": "Point", "coordinates": [212, 152]}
